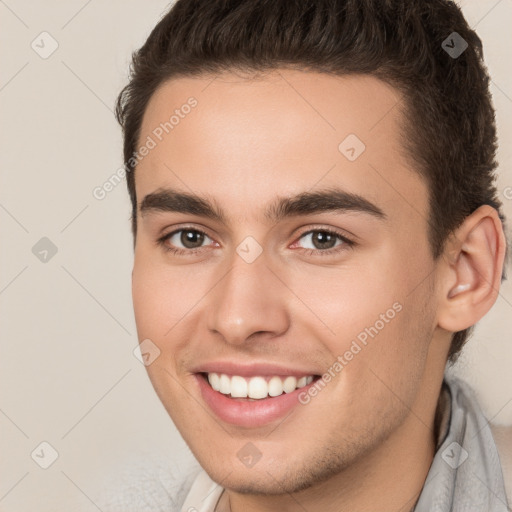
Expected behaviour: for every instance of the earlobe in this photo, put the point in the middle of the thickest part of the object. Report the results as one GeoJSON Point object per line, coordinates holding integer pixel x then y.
{"type": "Point", "coordinates": [472, 276]}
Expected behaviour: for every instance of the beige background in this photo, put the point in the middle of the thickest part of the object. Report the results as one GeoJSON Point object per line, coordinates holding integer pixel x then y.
{"type": "Point", "coordinates": [68, 373]}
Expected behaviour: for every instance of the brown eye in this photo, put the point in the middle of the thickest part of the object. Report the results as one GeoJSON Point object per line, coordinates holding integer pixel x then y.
{"type": "Point", "coordinates": [321, 240]}
{"type": "Point", "coordinates": [184, 239]}
{"type": "Point", "coordinates": [191, 239]}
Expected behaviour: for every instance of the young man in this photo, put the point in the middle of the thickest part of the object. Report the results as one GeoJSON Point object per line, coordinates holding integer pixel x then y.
{"type": "Point", "coordinates": [316, 231]}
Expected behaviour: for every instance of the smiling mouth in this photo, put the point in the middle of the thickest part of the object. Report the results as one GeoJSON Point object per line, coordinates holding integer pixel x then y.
{"type": "Point", "coordinates": [256, 387]}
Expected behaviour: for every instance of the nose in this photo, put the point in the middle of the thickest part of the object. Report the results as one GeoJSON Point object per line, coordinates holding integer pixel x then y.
{"type": "Point", "coordinates": [248, 299]}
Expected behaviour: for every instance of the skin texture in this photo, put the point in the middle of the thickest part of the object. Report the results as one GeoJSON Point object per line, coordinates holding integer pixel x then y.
{"type": "Point", "coordinates": [249, 141]}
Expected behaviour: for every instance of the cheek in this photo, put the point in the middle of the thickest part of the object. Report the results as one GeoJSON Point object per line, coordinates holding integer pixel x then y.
{"type": "Point", "coordinates": [392, 344]}
{"type": "Point", "coordinates": [375, 312]}
{"type": "Point", "coordinates": [163, 295]}
{"type": "Point", "coordinates": [349, 299]}
{"type": "Point", "coordinates": [149, 294]}
{"type": "Point", "coordinates": [161, 302]}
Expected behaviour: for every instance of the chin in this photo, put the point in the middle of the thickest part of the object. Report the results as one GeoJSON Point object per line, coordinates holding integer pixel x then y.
{"type": "Point", "coordinates": [273, 479]}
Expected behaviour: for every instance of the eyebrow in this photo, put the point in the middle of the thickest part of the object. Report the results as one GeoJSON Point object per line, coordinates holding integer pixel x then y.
{"type": "Point", "coordinates": [305, 203]}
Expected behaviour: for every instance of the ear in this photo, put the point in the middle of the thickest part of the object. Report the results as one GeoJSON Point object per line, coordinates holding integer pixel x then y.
{"type": "Point", "coordinates": [472, 268]}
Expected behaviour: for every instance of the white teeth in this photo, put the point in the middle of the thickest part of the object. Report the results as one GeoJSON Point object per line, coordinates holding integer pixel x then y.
{"type": "Point", "coordinates": [225, 384]}
{"type": "Point", "coordinates": [290, 384]}
{"type": "Point", "coordinates": [275, 386]}
{"type": "Point", "coordinates": [256, 387]}
{"type": "Point", "coordinates": [214, 381]}
{"type": "Point", "coordinates": [302, 382]}
{"type": "Point", "coordinates": [238, 387]}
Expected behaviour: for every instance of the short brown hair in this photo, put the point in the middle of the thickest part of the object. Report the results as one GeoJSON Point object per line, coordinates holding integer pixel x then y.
{"type": "Point", "coordinates": [449, 132]}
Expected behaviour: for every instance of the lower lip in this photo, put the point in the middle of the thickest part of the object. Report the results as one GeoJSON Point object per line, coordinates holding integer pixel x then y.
{"type": "Point", "coordinates": [246, 413]}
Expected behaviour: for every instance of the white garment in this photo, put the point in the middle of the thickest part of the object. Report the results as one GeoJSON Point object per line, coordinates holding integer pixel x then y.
{"type": "Point", "coordinates": [203, 496]}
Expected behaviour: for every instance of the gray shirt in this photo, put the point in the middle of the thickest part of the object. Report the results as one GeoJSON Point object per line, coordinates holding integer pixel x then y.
{"type": "Point", "coordinates": [465, 475]}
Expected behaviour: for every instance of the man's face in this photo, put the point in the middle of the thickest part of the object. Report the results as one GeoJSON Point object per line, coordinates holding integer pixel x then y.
{"type": "Point", "coordinates": [283, 294]}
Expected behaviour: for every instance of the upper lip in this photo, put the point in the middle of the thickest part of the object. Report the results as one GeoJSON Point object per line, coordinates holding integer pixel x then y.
{"type": "Point", "coordinates": [251, 370]}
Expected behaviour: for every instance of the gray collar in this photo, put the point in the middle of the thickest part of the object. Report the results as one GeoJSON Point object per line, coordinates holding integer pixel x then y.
{"type": "Point", "coordinates": [465, 475]}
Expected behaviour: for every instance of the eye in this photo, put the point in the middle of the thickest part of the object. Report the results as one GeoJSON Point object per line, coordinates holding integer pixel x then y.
{"type": "Point", "coordinates": [324, 241]}
{"type": "Point", "coordinates": [185, 240]}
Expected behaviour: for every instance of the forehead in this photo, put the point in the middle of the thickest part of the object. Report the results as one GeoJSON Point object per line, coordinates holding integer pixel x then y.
{"type": "Point", "coordinates": [245, 139]}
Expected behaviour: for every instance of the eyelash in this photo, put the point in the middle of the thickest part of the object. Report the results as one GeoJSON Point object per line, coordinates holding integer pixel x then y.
{"type": "Point", "coordinates": [347, 243]}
